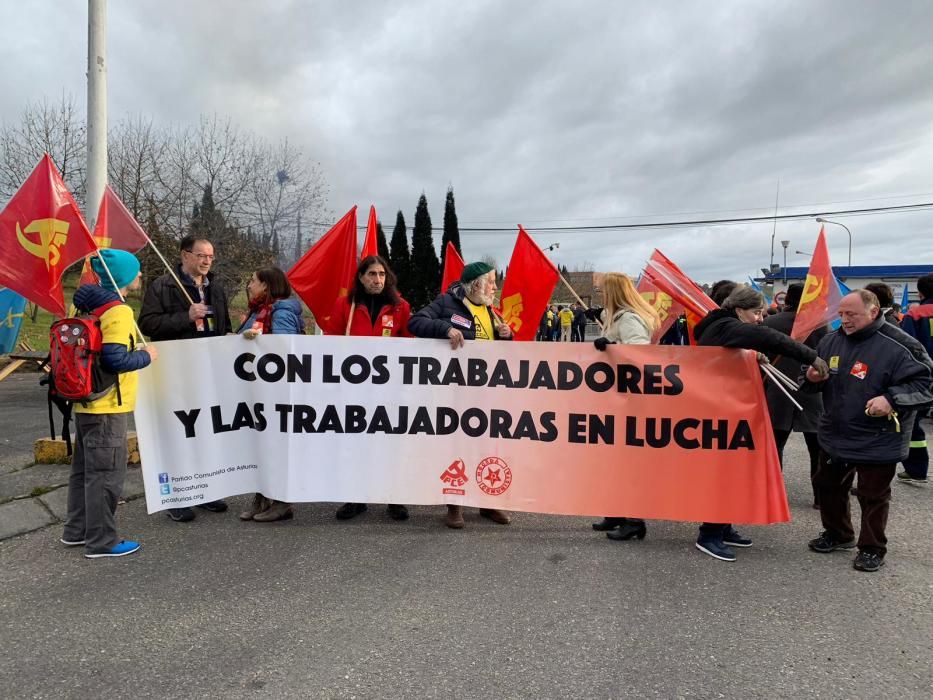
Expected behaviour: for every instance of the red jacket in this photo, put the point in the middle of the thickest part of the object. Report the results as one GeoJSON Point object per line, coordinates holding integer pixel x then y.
{"type": "Point", "coordinates": [391, 321]}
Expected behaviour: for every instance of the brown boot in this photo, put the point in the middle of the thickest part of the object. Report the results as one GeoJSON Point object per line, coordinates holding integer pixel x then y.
{"type": "Point", "coordinates": [259, 504]}
{"type": "Point", "coordinates": [497, 516]}
{"type": "Point", "coordinates": [279, 510]}
{"type": "Point", "coordinates": [454, 517]}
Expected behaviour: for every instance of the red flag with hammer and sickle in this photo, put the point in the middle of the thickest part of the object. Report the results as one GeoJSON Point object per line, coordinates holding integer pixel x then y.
{"type": "Point", "coordinates": [42, 232]}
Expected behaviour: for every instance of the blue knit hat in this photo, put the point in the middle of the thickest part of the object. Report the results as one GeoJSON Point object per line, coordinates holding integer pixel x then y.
{"type": "Point", "coordinates": [123, 266]}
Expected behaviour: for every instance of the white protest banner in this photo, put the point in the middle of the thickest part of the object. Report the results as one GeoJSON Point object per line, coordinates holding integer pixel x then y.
{"type": "Point", "coordinates": [641, 431]}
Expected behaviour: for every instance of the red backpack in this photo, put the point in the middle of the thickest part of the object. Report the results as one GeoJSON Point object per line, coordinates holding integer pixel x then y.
{"type": "Point", "coordinates": [75, 373]}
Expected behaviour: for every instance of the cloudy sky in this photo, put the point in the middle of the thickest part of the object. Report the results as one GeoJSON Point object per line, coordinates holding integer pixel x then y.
{"type": "Point", "coordinates": [545, 113]}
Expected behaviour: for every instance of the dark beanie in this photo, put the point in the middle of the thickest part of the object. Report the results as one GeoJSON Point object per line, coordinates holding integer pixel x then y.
{"type": "Point", "coordinates": [474, 270]}
{"type": "Point", "coordinates": [122, 265]}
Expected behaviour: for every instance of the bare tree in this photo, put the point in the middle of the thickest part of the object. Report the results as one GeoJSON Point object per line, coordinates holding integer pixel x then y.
{"type": "Point", "coordinates": [259, 191]}
{"type": "Point", "coordinates": [137, 157]}
{"type": "Point", "coordinates": [44, 127]}
{"type": "Point", "coordinates": [285, 186]}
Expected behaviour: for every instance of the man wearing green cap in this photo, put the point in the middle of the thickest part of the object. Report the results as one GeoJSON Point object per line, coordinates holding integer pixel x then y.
{"type": "Point", "coordinates": [465, 312]}
{"type": "Point", "coordinates": [99, 463]}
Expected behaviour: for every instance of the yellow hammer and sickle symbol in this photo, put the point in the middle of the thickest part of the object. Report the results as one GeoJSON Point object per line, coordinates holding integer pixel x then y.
{"type": "Point", "coordinates": [811, 289]}
{"type": "Point", "coordinates": [52, 234]}
{"type": "Point", "coordinates": [512, 310]}
{"type": "Point", "coordinates": [661, 303]}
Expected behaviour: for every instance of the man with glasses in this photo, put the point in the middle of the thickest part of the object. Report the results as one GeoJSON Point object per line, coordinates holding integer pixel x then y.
{"type": "Point", "coordinates": [199, 310]}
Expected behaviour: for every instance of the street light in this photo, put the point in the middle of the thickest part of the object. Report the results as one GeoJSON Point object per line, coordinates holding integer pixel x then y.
{"type": "Point", "coordinates": [553, 246]}
{"type": "Point", "coordinates": [803, 252]}
{"type": "Point", "coordinates": [785, 244]}
{"type": "Point", "coordinates": [821, 220]}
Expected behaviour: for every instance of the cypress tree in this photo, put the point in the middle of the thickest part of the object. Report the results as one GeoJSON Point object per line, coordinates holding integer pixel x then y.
{"type": "Point", "coordinates": [425, 267]}
{"type": "Point", "coordinates": [451, 230]}
{"type": "Point", "coordinates": [381, 244]}
{"type": "Point", "coordinates": [400, 258]}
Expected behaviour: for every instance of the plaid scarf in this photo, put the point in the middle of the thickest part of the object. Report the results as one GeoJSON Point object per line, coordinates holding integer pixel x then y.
{"type": "Point", "coordinates": [261, 309]}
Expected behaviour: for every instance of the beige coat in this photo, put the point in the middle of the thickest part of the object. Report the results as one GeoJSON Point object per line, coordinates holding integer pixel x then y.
{"type": "Point", "coordinates": [626, 328]}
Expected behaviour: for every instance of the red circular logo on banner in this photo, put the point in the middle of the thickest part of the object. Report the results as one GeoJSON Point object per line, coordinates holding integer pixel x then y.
{"type": "Point", "coordinates": [493, 476]}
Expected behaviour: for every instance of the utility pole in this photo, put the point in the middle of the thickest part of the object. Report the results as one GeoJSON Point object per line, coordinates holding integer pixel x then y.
{"type": "Point", "coordinates": [777, 197]}
{"type": "Point", "coordinates": [96, 108]}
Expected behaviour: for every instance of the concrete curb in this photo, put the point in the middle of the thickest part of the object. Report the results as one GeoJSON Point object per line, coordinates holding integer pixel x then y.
{"type": "Point", "coordinates": [27, 514]}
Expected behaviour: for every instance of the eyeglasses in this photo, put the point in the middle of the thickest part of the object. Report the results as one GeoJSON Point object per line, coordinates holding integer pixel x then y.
{"type": "Point", "coordinates": [201, 256]}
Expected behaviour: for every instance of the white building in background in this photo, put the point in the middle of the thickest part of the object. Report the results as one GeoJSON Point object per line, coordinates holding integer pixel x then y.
{"type": "Point", "coordinates": [855, 277]}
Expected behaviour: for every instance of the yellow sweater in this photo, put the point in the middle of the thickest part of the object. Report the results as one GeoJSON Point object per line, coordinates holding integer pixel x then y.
{"type": "Point", "coordinates": [116, 325]}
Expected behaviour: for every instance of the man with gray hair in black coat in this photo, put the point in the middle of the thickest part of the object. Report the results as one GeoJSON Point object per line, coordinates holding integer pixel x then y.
{"type": "Point", "coordinates": [879, 377]}
{"type": "Point", "coordinates": [465, 312]}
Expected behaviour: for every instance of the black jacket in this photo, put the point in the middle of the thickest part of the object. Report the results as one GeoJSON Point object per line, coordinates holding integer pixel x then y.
{"type": "Point", "coordinates": [784, 415]}
{"type": "Point", "coordinates": [164, 313]}
{"type": "Point", "coordinates": [446, 312]}
{"type": "Point", "coordinates": [724, 329]}
{"type": "Point", "coordinates": [892, 364]}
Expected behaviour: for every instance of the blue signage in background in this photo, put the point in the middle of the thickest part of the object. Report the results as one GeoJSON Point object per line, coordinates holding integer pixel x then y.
{"type": "Point", "coordinates": [12, 310]}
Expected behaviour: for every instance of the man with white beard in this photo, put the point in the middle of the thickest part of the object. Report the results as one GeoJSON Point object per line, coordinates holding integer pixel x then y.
{"type": "Point", "coordinates": [465, 312]}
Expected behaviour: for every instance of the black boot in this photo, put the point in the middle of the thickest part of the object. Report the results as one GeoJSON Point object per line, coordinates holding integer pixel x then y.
{"type": "Point", "coordinates": [631, 528]}
{"type": "Point", "coordinates": [607, 524]}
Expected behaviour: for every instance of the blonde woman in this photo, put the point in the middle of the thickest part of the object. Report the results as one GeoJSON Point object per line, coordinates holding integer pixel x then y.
{"type": "Point", "coordinates": [628, 319]}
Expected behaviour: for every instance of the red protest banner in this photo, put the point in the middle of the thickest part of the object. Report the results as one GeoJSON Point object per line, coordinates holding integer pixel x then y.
{"type": "Point", "coordinates": [643, 431]}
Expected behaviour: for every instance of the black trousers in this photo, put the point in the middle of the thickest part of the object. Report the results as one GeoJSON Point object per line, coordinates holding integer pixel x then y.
{"type": "Point", "coordinates": [833, 480]}
{"type": "Point", "coordinates": [813, 447]}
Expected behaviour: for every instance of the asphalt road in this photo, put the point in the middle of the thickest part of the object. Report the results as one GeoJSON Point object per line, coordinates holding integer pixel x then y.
{"type": "Point", "coordinates": [544, 608]}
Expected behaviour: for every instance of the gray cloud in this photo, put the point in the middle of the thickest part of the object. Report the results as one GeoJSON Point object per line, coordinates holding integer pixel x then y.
{"type": "Point", "coordinates": [546, 113]}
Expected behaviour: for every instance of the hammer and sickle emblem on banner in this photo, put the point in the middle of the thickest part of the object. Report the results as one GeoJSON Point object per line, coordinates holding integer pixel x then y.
{"type": "Point", "coordinates": [512, 308]}
{"type": "Point", "coordinates": [661, 302]}
{"type": "Point", "coordinates": [52, 235]}
{"type": "Point", "coordinates": [811, 289]}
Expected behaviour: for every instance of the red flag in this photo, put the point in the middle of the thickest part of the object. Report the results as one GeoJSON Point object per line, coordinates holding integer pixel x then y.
{"type": "Point", "coordinates": [116, 228]}
{"type": "Point", "coordinates": [671, 280]}
{"type": "Point", "coordinates": [819, 303]}
{"type": "Point", "coordinates": [326, 271]}
{"type": "Point", "coordinates": [371, 244]}
{"type": "Point", "coordinates": [42, 232]}
{"type": "Point", "coordinates": [527, 288]}
{"type": "Point", "coordinates": [453, 267]}
{"type": "Point", "coordinates": [668, 309]}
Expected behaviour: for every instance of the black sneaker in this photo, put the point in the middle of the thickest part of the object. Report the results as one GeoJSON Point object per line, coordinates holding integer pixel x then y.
{"type": "Point", "coordinates": [716, 549]}
{"type": "Point", "coordinates": [733, 539]}
{"type": "Point", "coordinates": [219, 506]}
{"type": "Point", "coordinates": [906, 478]}
{"type": "Point", "coordinates": [866, 561]}
{"type": "Point", "coordinates": [826, 543]}
{"type": "Point", "coordinates": [180, 515]}
{"type": "Point", "coordinates": [350, 510]}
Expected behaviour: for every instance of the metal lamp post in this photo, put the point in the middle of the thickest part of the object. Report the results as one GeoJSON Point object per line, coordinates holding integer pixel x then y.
{"type": "Point", "coordinates": [785, 244]}
{"type": "Point", "coordinates": [821, 220]}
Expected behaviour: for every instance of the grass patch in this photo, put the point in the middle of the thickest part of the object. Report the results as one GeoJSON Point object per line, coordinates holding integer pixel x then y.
{"type": "Point", "coordinates": [41, 491]}
{"type": "Point", "coordinates": [35, 328]}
